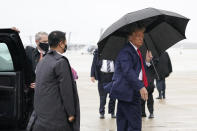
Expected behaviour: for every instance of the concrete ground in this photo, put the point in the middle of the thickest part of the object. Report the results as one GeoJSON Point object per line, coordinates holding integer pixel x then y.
{"type": "Point", "coordinates": [178, 112]}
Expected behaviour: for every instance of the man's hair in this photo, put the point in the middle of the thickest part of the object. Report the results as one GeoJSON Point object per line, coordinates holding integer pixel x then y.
{"type": "Point", "coordinates": [56, 37]}
{"type": "Point", "coordinates": [39, 34]}
{"type": "Point", "coordinates": [136, 27]}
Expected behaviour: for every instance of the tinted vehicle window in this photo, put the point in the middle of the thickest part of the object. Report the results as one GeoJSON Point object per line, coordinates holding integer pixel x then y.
{"type": "Point", "coordinates": [6, 63]}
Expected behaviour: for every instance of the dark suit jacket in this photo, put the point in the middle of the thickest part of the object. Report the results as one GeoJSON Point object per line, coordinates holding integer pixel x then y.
{"type": "Point", "coordinates": [95, 70]}
{"type": "Point", "coordinates": [56, 95]}
{"type": "Point", "coordinates": [33, 57]}
{"type": "Point", "coordinates": [96, 65]}
{"type": "Point", "coordinates": [126, 84]}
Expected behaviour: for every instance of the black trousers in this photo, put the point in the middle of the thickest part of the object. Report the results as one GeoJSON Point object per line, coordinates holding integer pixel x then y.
{"type": "Point", "coordinates": [129, 115]}
{"type": "Point", "coordinates": [161, 87]}
{"type": "Point", "coordinates": [103, 97]}
{"type": "Point", "coordinates": [150, 101]}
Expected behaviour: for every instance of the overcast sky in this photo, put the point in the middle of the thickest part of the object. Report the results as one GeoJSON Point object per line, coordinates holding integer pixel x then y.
{"type": "Point", "coordinates": [84, 18]}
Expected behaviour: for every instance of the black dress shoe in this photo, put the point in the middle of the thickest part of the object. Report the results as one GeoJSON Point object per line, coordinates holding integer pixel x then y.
{"type": "Point", "coordinates": [113, 116]}
{"type": "Point", "coordinates": [164, 96]}
{"type": "Point", "coordinates": [143, 115]}
{"type": "Point", "coordinates": [159, 97]}
{"type": "Point", "coordinates": [151, 116]}
{"type": "Point", "coordinates": [102, 116]}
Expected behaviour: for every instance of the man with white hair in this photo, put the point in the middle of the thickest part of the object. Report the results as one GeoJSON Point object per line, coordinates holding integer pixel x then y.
{"type": "Point", "coordinates": [34, 55]}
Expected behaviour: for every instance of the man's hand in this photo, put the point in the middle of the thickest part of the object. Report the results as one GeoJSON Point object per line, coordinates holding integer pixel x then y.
{"type": "Point", "coordinates": [149, 56]}
{"type": "Point", "coordinates": [93, 79]}
{"type": "Point", "coordinates": [32, 85]}
{"type": "Point", "coordinates": [71, 118]}
{"type": "Point", "coordinates": [15, 29]}
{"type": "Point", "coordinates": [144, 93]}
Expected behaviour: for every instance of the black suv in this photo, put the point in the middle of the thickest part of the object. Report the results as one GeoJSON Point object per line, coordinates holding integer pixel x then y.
{"type": "Point", "coordinates": [14, 81]}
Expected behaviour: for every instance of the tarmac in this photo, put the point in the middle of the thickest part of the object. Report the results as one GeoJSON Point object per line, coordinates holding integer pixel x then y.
{"type": "Point", "coordinates": [178, 112]}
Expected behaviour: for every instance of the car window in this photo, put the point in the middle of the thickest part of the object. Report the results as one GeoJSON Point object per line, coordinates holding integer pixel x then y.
{"type": "Point", "coordinates": [6, 63]}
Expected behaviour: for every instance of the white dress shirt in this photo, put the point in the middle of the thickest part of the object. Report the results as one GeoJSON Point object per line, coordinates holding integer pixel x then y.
{"type": "Point", "coordinates": [148, 64]}
{"type": "Point", "coordinates": [43, 52]}
{"type": "Point", "coordinates": [104, 66]}
{"type": "Point", "coordinates": [59, 53]}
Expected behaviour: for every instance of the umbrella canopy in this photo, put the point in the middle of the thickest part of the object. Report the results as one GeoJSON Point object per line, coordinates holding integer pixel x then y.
{"type": "Point", "coordinates": [163, 29]}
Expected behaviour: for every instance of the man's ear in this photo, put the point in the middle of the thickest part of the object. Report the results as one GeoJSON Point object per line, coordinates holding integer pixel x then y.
{"type": "Point", "coordinates": [37, 42]}
{"type": "Point", "coordinates": [61, 43]}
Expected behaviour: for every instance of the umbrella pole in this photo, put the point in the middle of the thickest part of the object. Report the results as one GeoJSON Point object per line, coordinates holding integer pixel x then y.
{"type": "Point", "coordinates": [155, 69]}
{"type": "Point", "coordinates": [152, 63]}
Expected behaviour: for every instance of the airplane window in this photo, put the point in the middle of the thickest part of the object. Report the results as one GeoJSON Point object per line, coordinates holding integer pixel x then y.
{"type": "Point", "coordinates": [6, 63]}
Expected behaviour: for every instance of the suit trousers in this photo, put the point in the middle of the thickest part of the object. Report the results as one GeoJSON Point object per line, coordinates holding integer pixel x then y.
{"type": "Point", "coordinates": [129, 116]}
{"type": "Point", "coordinates": [161, 85]}
{"type": "Point", "coordinates": [103, 97]}
{"type": "Point", "coordinates": [150, 101]}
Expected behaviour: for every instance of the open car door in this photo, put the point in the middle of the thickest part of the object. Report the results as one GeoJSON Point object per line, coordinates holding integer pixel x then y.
{"type": "Point", "coordinates": [14, 81]}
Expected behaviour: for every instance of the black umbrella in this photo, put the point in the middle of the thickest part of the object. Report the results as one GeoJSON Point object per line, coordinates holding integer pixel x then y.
{"type": "Point", "coordinates": [163, 29]}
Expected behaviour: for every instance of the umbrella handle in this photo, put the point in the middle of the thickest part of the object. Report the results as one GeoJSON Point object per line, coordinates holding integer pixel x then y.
{"type": "Point", "coordinates": [155, 69]}
{"type": "Point", "coordinates": [152, 61]}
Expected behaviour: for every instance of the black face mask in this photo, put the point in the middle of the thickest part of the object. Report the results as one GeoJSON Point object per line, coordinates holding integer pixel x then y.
{"type": "Point", "coordinates": [44, 46]}
{"type": "Point", "coordinates": [65, 48]}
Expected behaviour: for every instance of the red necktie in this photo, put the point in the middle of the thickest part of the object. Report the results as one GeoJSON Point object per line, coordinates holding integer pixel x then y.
{"type": "Point", "coordinates": [143, 70]}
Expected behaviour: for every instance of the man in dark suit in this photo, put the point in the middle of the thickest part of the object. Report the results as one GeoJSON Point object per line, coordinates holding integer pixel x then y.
{"type": "Point", "coordinates": [130, 81]}
{"type": "Point", "coordinates": [164, 68]}
{"type": "Point", "coordinates": [34, 55]}
{"type": "Point", "coordinates": [56, 99]}
{"type": "Point", "coordinates": [150, 72]}
{"type": "Point", "coordinates": [102, 70]}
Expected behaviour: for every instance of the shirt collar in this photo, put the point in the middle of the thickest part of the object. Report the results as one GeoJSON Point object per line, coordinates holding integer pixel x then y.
{"type": "Point", "coordinates": [56, 54]}
{"type": "Point", "coordinates": [43, 52]}
{"type": "Point", "coordinates": [59, 53]}
{"type": "Point", "coordinates": [133, 45]}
